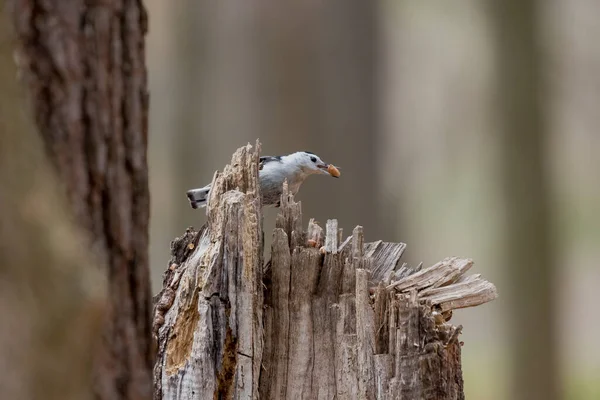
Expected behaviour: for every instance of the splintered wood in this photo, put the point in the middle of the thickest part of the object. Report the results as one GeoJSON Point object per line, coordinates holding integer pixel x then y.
{"type": "Point", "coordinates": [355, 323]}
{"type": "Point", "coordinates": [208, 317]}
{"type": "Point", "coordinates": [326, 318]}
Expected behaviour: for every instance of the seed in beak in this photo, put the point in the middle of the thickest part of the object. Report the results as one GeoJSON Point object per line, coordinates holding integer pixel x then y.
{"type": "Point", "coordinates": [333, 171]}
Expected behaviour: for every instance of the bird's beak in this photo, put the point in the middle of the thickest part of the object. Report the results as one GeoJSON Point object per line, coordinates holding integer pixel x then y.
{"type": "Point", "coordinates": [329, 169]}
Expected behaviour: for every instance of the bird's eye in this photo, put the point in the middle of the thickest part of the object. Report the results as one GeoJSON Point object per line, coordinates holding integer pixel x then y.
{"type": "Point", "coordinates": [313, 159]}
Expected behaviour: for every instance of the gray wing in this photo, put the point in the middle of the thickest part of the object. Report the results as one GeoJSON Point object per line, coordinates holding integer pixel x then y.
{"type": "Point", "coordinates": [267, 159]}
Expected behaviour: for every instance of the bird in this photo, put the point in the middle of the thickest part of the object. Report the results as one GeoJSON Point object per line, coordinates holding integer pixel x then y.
{"type": "Point", "coordinates": [273, 171]}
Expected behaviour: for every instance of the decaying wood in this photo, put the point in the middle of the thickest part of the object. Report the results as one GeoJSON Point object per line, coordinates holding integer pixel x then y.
{"type": "Point", "coordinates": [208, 317]}
{"type": "Point", "coordinates": [325, 318]}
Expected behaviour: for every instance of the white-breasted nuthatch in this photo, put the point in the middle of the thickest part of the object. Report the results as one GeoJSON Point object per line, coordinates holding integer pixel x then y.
{"type": "Point", "coordinates": [273, 171]}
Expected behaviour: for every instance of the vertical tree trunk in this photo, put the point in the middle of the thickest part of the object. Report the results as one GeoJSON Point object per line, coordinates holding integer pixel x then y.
{"type": "Point", "coordinates": [51, 307]}
{"type": "Point", "coordinates": [84, 65]}
{"type": "Point", "coordinates": [527, 238]}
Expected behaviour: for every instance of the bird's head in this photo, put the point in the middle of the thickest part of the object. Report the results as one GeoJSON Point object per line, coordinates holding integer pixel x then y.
{"type": "Point", "coordinates": [311, 163]}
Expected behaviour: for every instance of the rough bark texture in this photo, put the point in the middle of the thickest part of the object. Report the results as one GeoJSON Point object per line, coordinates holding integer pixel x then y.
{"type": "Point", "coordinates": [51, 309]}
{"type": "Point", "coordinates": [323, 319]}
{"type": "Point", "coordinates": [83, 63]}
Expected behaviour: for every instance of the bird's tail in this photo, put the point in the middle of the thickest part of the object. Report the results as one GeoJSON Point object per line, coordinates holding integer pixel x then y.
{"type": "Point", "coordinates": [198, 197]}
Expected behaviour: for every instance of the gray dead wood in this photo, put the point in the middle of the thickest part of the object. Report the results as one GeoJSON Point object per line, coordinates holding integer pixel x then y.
{"type": "Point", "coordinates": [324, 318]}
{"type": "Point", "coordinates": [208, 317]}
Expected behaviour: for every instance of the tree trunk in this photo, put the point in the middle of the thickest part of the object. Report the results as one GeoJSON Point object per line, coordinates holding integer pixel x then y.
{"type": "Point", "coordinates": [83, 63]}
{"type": "Point", "coordinates": [323, 319]}
{"type": "Point", "coordinates": [527, 240]}
{"type": "Point", "coordinates": [51, 308]}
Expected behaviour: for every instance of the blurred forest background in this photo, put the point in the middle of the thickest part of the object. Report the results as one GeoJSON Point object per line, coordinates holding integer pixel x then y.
{"type": "Point", "coordinates": [462, 128]}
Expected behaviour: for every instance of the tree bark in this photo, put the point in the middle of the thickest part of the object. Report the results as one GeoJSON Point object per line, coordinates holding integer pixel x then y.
{"type": "Point", "coordinates": [84, 65]}
{"type": "Point", "coordinates": [323, 319]}
{"type": "Point", "coordinates": [52, 309]}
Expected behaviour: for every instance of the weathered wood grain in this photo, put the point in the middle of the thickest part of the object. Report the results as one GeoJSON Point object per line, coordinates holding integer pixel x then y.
{"type": "Point", "coordinates": [385, 257]}
{"type": "Point", "coordinates": [210, 338]}
{"type": "Point", "coordinates": [277, 313]}
{"type": "Point", "coordinates": [365, 329]}
{"type": "Point", "coordinates": [324, 319]}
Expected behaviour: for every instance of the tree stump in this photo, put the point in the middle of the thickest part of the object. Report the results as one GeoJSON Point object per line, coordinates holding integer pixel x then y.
{"type": "Point", "coordinates": [324, 318]}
